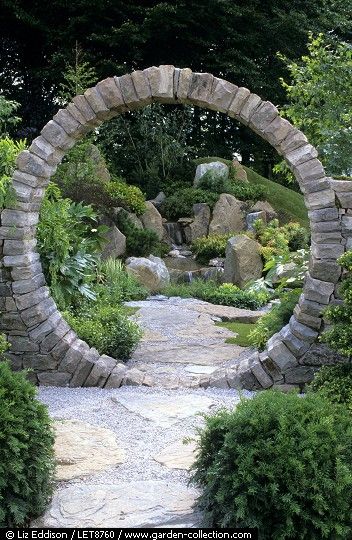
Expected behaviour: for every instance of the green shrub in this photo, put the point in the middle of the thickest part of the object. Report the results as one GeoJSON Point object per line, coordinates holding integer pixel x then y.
{"type": "Point", "coordinates": [211, 246]}
{"type": "Point", "coordinates": [129, 197]}
{"type": "Point", "coordinates": [335, 384]}
{"type": "Point", "coordinates": [243, 191]}
{"type": "Point", "coordinates": [280, 240]}
{"type": "Point", "coordinates": [281, 463]}
{"type": "Point", "coordinates": [26, 451]}
{"type": "Point", "coordinates": [139, 242]}
{"type": "Point", "coordinates": [180, 203]}
{"type": "Point", "coordinates": [339, 336]}
{"type": "Point", "coordinates": [9, 151]}
{"type": "Point", "coordinates": [275, 319]}
{"type": "Point", "coordinates": [116, 285]}
{"type": "Point", "coordinates": [248, 192]}
{"type": "Point", "coordinates": [106, 328]}
{"type": "Point", "coordinates": [226, 294]}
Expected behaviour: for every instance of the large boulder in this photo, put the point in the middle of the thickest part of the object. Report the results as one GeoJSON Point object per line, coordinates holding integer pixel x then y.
{"type": "Point", "coordinates": [243, 261]}
{"type": "Point", "coordinates": [241, 174]}
{"type": "Point", "coordinates": [200, 225]}
{"type": "Point", "coordinates": [129, 215]}
{"type": "Point", "coordinates": [228, 216]}
{"type": "Point", "coordinates": [115, 245]}
{"type": "Point", "coordinates": [159, 199]}
{"type": "Point", "coordinates": [150, 272]}
{"type": "Point", "coordinates": [218, 168]}
{"type": "Point", "coordinates": [152, 220]}
{"type": "Point", "coordinates": [264, 206]}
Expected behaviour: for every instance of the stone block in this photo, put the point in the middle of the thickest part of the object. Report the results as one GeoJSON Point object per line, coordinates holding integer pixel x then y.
{"type": "Point", "coordinates": [29, 271]}
{"type": "Point", "coordinates": [97, 103]}
{"type": "Point", "coordinates": [46, 151]}
{"type": "Point", "coordinates": [116, 377]}
{"type": "Point", "coordinates": [128, 92]}
{"type": "Point", "coordinates": [328, 237]}
{"type": "Point", "coordinates": [345, 199]}
{"type": "Point", "coordinates": [32, 298]}
{"type": "Point", "coordinates": [270, 367]}
{"type": "Point", "coordinates": [277, 131]}
{"type": "Point", "coordinates": [11, 321]}
{"type": "Point", "coordinates": [301, 155]}
{"type": "Point", "coordinates": [346, 224]}
{"type": "Point", "coordinates": [309, 171]}
{"type": "Point", "coordinates": [19, 247]}
{"type": "Point", "coordinates": [24, 286]}
{"type": "Point", "coordinates": [281, 355]}
{"type": "Point", "coordinates": [84, 368]}
{"type": "Point", "coordinates": [292, 141]}
{"type": "Point", "coordinates": [39, 313]}
{"type": "Point", "coordinates": [324, 214]}
{"type": "Point", "coordinates": [261, 375]}
{"type": "Point", "coordinates": [110, 91]}
{"type": "Point", "coordinates": [327, 251]}
{"type": "Point", "coordinates": [17, 218]}
{"type": "Point", "coordinates": [325, 270]}
{"type": "Point", "coordinates": [141, 85]}
{"type": "Point", "coordinates": [39, 362]}
{"type": "Point", "coordinates": [29, 179]}
{"type": "Point", "coordinates": [161, 81]}
{"type": "Point", "coordinates": [320, 184]}
{"type": "Point", "coordinates": [297, 346]}
{"type": "Point", "coordinates": [76, 113]}
{"type": "Point", "coordinates": [21, 260]}
{"type": "Point", "coordinates": [32, 164]}
{"type": "Point", "coordinates": [69, 123]}
{"type": "Point", "coordinates": [321, 355]}
{"type": "Point", "coordinates": [182, 82]}
{"type": "Point", "coordinates": [101, 371]}
{"type": "Point", "coordinates": [86, 110]}
{"type": "Point", "coordinates": [308, 320]}
{"type": "Point", "coordinates": [72, 358]}
{"type": "Point", "coordinates": [21, 344]}
{"type": "Point", "coordinates": [54, 378]}
{"type": "Point", "coordinates": [303, 332]}
{"type": "Point", "coordinates": [200, 89]}
{"type": "Point", "coordinates": [300, 375]}
{"type": "Point", "coordinates": [238, 101]}
{"type": "Point", "coordinates": [222, 93]}
{"type": "Point", "coordinates": [52, 339]}
{"type": "Point", "coordinates": [57, 136]}
{"type": "Point", "coordinates": [133, 377]}
{"type": "Point", "coordinates": [320, 199]}
{"type": "Point", "coordinates": [263, 116]}
{"type": "Point", "coordinates": [60, 349]}
{"type": "Point", "coordinates": [39, 333]}
{"type": "Point", "coordinates": [249, 107]}
{"type": "Point", "coordinates": [317, 290]}
{"type": "Point", "coordinates": [218, 379]}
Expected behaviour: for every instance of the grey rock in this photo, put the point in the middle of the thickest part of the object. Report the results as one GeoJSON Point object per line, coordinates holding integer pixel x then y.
{"type": "Point", "coordinates": [151, 272]}
{"type": "Point", "coordinates": [152, 220]}
{"type": "Point", "coordinates": [218, 168]}
{"type": "Point", "coordinates": [264, 206]}
{"type": "Point", "coordinates": [300, 375]}
{"type": "Point", "coordinates": [200, 225]}
{"type": "Point", "coordinates": [243, 261]}
{"type": "Point", "coordinates": [320, 355]}
{"type": "Point", "coordinates": [116, 377]}
{"type": "Point", "coordinates": [115, 245]}
{"type": "Point", "coordinates": [228, 216]}
{"type": "Point", "coordinates": [302, 331]}
{"type": "Point", "coordinates": [159, 199]}
{"type": "Point", "coordinates": [317, 290]}
{"type": "Point", "coordinates": [296, 345]}
{"type": "Point", "coordinates": [133, 377]}
{"type": "Point", "coordinates": [325, 270]}
{"type": "Point", "coordinates": [252, 217]}
{"type": "Point", "coordinates": [281, 355]}
{"type": "Point", "coordinates": [54, 378]}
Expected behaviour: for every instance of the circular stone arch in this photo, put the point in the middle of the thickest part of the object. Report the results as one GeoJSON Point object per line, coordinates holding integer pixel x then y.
{"type": "Point", "coordinates": [42, 340]}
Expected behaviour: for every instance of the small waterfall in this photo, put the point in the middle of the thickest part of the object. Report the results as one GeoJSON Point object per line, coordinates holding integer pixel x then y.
{"type": "Point", "coordinates": [174, 232]}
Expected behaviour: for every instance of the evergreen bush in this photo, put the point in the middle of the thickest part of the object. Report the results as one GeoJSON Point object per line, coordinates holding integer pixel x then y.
{"type": "Point", "coordinates": [335, 384]}
{"type": "Point", "coordinates": [281, 463]}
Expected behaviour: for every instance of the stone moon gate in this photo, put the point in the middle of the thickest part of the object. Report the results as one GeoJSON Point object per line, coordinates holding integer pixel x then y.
{"type": "Point", "coordinates": [41, 339]}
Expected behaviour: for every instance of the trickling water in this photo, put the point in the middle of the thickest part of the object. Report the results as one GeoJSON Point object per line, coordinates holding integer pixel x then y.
{"type": "Point", "coordinates": [174, 232]}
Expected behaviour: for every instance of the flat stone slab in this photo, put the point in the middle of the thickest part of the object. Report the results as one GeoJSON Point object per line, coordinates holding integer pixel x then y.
{"type": "Point", "coordinates": [82, 449]}
{"type": "Point", "coordinates": [164, 410]}
{"type": "Point", "coordinates": [200, 370]}
{"type": "Point", "coordinates": [228, 313]}
{"type": "Point", "coordinates": [136, 504]}
{"type": "Point", "coordinates": [204, 355]}
{"type": "Point", "coordinates": [177, 455]}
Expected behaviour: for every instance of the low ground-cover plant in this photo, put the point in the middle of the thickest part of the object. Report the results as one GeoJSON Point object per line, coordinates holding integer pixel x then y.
{"type": "Point", "coordinates": [339, 336]}
{"type": "Point", "coordinates": [281, 463]}
{"type": "Point", "coordinates": [26, 449]}
{"type": "Point", "coordinates": [241, 329]}
{"type": "Point", "coordinates": [210, 291]}
{"type": "Point", "coordinates": [335, 384]}
{"type": "Point", "coordinates": [115, 285]}
{"type": "Point", "coordinates": [275, 319]}
{"type": "Point", "coordinates": [209, 247]}
{"type": "Point", "coordinates": [180, 203]}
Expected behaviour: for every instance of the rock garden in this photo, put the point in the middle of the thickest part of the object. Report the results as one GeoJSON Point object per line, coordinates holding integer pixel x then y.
{"type": "Point", "coordinates": [175, 335]}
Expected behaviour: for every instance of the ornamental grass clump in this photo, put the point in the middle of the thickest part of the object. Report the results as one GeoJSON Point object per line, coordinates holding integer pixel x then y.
{"type": "Point", "coordinates": [281, 463]}
{"type": "Point", "coordinates": [26, 450]}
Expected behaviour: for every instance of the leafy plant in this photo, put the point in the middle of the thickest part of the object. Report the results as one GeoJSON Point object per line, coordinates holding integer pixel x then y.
{"type": "Point", "coordinates": [275, 319]}
{"type": "Point", "coordinates": [226, 294]}
{"type": "Point", "coordinates": [129, 197]}
{"type": "Point", "coordinates": [243, 191]}
{"type": "Point", "coordinates": [139, 242]}
{"type": "Point", "coordinates": [9, 151]}
{"type": "Point", "coordinates": [26, 450]}
{"type": "Point", "coordinates": [275, 265]}
{"type": "Point", "coordinates": [107, 328]}
{"type": "Point", "coordinates": [335, 384]}
{"type": "Point", "coordinates": [7, 115]}
{"type": "Point", "coordinates": [180, 203]}
{"type": "Point", "coordinates": [339, 336]}
{"type": "Point", "coordinates": [279, 463]}
{"type": "Point", "coordinates": [279, 240]}
{"type": "Point", "coordinates": [77, 77]}
{"type": "Point", "coordinates": [68, 242]}
{"type": "Point", "coordinates": [209, 247]}
{"type": "Point", "coordinates": [115, 285]}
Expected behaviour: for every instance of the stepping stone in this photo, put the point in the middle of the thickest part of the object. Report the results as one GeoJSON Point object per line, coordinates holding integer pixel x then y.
{"type": "Point", "coordinates": [82, 449]}
{"type": "Point", "coordinates": [228, 313]}
{"type": "Point", "coordinates": [201, 354]}
{"type": "Point", "coordinates": [201, 370]}
{"type": "Point", "coordinates": [177, 455]}
{"type": "Point", "coordinates": [164, 411]}
{"type": "Point", "coordinates": [136, 504]}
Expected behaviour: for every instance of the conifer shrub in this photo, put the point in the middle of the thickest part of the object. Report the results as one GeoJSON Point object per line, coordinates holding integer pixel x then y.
{"type": "Point", "coordinates": [26, 449]}
{"type": "Point", "coordinates": [281, 463]}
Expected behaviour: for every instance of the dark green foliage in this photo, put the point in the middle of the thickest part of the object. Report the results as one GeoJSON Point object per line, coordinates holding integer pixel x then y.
{"type": "Point", "coordinates": [106, 328]}
{"type": "Point", "coordinates": [275, 319]}
{"type": "Point", "coordinates": [180, 203]}
{"type": "Point", "coordinates": [26, 450]}
{"type": "Point", "coordinates": [9, 151]}
{"type": "Point", "coordinates": [335, 384]}
{"type": "Point", "coordinates": [339, 337]}
{"type": "Point", "coordinates": [139, 242]}
{"type": "Point", "coordinates": [281, 463]}
{"type": "Point", "coordinates": [226, 294]}
{"type": "Point", "coordinates": [241, 190]}
{"type": "Point", "coordinates": [68, 242]}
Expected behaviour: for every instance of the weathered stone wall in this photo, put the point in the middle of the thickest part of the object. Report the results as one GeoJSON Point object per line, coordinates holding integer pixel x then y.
{"type": "Point", "coordinates": [42, 340]}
